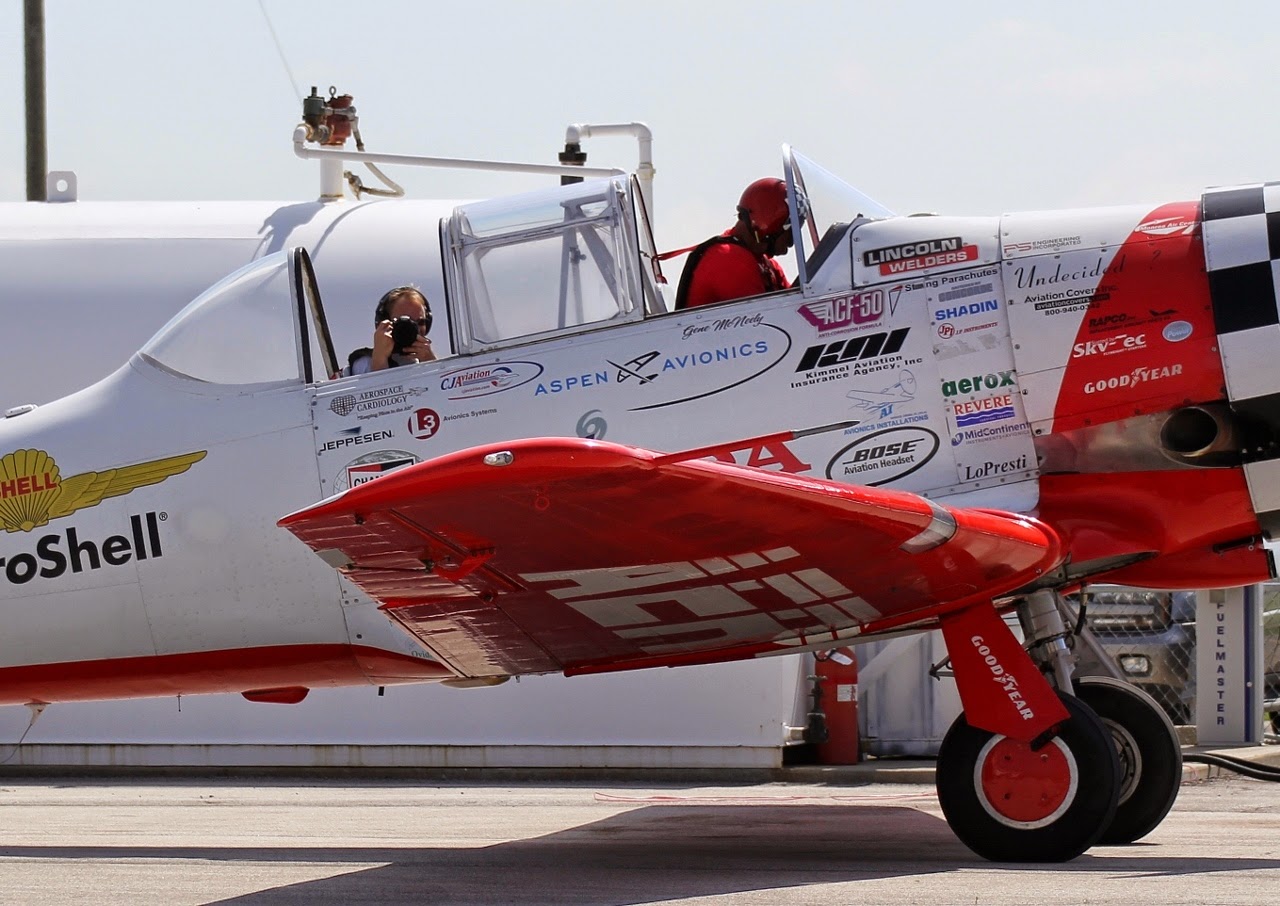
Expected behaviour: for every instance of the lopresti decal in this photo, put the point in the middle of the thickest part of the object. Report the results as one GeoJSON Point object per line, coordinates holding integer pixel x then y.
{"type": "Point", "coordinates": [33, 491]}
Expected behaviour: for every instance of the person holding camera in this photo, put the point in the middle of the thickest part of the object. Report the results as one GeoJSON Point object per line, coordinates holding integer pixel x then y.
{"type": "Point", "coordinates": [402, 321]}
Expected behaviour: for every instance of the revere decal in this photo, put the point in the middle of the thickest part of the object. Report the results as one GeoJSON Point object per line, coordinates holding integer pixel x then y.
{"type": "Point", "coordinates": [983, 410]}
{"type": "Point", "coordinates": [884, 456]}
{"type": "Point", "coordinates": [33, 491]}
{"type": "Point", "coordinates": [919, 256]}
{"type": "Point", "coordinates": [483, 380]}
{"type": "Point", "coordinates": [56, 553]}
{"type": "Point", "coordinates": [371, 466]}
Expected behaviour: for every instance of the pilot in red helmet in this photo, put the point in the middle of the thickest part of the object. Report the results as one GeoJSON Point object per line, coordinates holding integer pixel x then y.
{"type": "Point", "coordinates": [740, 262]}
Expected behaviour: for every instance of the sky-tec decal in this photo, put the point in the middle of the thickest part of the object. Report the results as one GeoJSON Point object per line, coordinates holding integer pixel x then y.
{"type": "Point", "coordinates": [33, 491]}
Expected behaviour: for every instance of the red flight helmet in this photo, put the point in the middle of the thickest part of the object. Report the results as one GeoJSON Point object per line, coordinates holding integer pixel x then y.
{"type": "Point", "coordinates": [764, 206]}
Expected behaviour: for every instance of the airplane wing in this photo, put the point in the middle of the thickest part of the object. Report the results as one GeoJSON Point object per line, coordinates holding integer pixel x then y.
{"type": "Point", "coordinates": [577, 556]}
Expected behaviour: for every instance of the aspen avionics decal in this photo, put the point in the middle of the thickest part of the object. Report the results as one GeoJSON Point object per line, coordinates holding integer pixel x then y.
{"type": "Point", "coordinates": [920, 256]}
{"type": "Point", "coordinates": [33, 491]}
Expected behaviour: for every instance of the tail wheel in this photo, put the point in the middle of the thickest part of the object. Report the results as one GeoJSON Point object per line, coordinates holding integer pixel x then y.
{"type": "Point", "coordinates": [1009, 803]}
{"type": "Point", "coordinates": [1149, 753]}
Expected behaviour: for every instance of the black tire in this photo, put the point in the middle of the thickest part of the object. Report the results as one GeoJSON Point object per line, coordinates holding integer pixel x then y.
{"type": "Point", "coordinates": [1087, 788]}
{"type": "Point", "coordinates": [1149, 753]}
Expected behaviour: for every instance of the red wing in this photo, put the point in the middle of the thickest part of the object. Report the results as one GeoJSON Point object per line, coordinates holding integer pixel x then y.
{"type": "Point", "coordinates": [582, 556]}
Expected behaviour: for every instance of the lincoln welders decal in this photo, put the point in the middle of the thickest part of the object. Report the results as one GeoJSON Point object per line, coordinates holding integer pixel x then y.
{"type": "Point", "coordinates": [884, 456]}
{"type": "Point", "coordinates": [33, 491]}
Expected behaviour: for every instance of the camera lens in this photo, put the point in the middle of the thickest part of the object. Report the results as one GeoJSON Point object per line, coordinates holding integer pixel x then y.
{"type": "Point", "coordinates": [404, 331]}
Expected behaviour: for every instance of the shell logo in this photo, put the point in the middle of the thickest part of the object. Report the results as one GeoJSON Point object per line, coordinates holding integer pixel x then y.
{"type": "Point", "coordinates": [33, 491]}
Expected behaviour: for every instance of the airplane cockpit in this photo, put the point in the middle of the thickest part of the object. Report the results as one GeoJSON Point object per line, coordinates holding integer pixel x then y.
{"type": "Point", "coordinates": [516, 270]}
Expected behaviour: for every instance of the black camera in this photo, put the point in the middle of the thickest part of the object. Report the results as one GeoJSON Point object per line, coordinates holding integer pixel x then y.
{"type": "Point", "coordinates": [404, 332]}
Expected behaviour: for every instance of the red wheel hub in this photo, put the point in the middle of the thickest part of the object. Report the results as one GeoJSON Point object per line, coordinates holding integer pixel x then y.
{"type": "Point", "coordinates": [1025, 787]}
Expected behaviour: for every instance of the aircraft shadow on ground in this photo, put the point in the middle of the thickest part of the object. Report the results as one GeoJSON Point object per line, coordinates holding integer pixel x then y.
{"type": "Point", "coordinates": [649, 854]}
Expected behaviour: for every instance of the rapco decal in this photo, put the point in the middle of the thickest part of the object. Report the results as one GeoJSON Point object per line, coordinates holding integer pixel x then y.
{"type": "Point", "coordinates": [353, 437]}
{"type": "Point", "coordinates": [33, 491]}
{"type": "Point", "coordinates": [57, 553]}
{"type": "Point", "coordinates": [371, 466]}
{"type": "Point", "coordinates": [1132, 379]}
{"type": "Point", "coordinates": [884, 456]}
{"type": "Point", "coordinates": [1123, 342]}
{"type": "Point", "coordinates": [484, 380]}
{"type": "Point", "coordinates": [919, 256]}
{"type": "Point", "coordinates": [847, 312]}
{"type": "Point", "coordinates": [1101, 323]}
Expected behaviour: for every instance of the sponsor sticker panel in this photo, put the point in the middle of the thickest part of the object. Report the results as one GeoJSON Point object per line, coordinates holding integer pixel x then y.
{"type": "Point", "coordinates": [904, 249]}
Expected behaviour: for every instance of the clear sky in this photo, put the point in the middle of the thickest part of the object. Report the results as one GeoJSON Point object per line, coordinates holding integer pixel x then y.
{"type": "Point", "coordinates": [957, 108]}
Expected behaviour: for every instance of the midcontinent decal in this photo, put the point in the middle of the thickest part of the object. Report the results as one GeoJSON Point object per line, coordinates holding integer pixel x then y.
{"type": "Point", "coordinates": [884, 456]}
{"type": "Point", "coordinates": [33, 491]}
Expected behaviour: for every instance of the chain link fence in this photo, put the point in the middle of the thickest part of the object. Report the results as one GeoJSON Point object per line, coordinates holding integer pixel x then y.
{"type": "Point", "coordinates": [1152, 637]}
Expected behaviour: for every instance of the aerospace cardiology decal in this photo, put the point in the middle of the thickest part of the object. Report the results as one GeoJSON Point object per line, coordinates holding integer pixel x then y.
{"type": "Point", "coordinates": [33, 491]}
{"type": "Point", "coordinates": [372, 403]}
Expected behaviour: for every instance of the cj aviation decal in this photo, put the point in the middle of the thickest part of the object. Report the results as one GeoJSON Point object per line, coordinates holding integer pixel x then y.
{"type": "Point", "coordinates": [33, 492]}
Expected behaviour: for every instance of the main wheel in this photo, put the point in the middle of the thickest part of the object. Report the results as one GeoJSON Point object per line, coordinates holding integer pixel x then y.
{"type": "Point", "coordinates": [1009, 803]}
{"type": "Point", "coordinates": [1149, 753]}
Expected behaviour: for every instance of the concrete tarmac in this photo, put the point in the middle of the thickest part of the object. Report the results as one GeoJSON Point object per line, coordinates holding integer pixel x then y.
{"type": "Point", "coordinates": [337, 841]}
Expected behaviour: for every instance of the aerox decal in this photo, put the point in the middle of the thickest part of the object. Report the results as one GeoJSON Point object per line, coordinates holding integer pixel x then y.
{"type": "Point", "coordinates": [33, 491]}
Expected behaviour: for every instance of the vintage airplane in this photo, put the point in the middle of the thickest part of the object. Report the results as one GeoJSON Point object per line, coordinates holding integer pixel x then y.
{"type": "Point", "coordinates": [945, 420]}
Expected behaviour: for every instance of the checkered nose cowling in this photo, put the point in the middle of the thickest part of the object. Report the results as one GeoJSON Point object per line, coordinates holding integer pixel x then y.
{"type": "Point", "coordinates": [1242, 256]}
